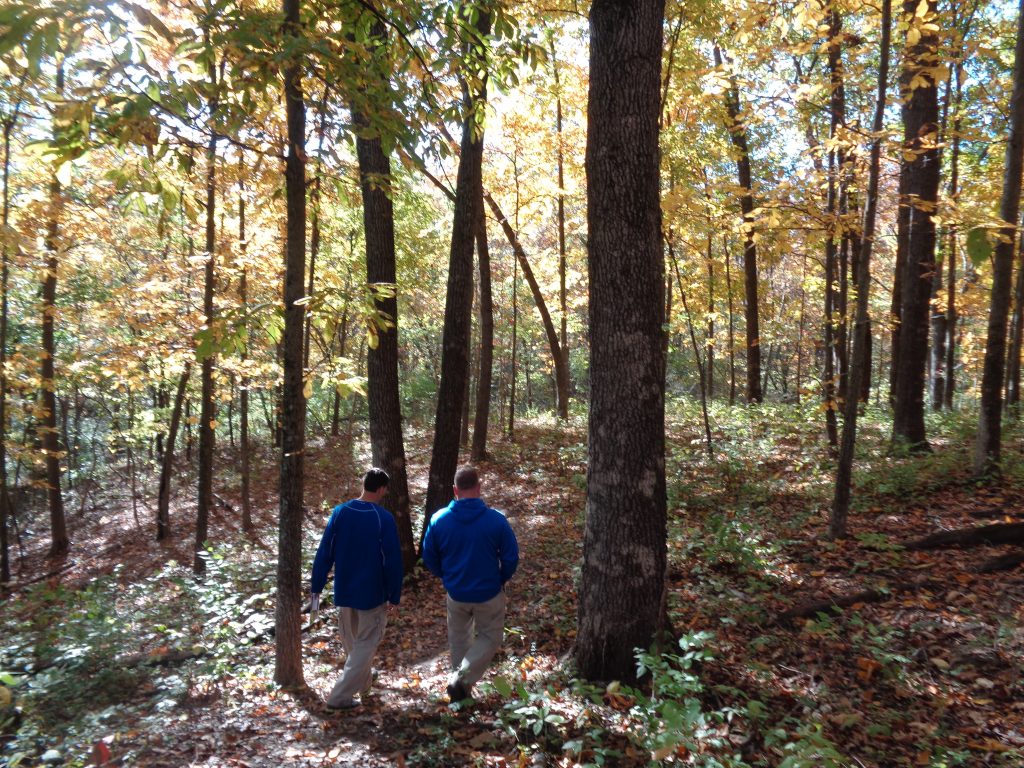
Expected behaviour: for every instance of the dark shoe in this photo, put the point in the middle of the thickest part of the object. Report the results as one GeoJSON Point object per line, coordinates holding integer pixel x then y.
{"type": "Point", "coordinates": [457, 691]}
{"type": "Point", "coordinates": [344, 707]}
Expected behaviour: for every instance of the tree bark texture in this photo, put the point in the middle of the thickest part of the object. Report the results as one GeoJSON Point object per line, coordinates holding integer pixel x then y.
{"type": "Point", "coordinates": [287, 620]}
{"type": "Point", "coordinates": [921, 160]}
{"type": "Point", "coordinates": [989, 444]}
{"type": "Point", "coordinates": [738, 136]}
{"type": "Point", "coordinates": [383, 400]}
{"type": "Point", "coordinates": [459, 299]}
{"type": "Point", "coordinates": [624, 557]}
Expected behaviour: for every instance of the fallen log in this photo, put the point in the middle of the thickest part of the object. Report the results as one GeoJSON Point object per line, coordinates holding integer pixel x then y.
{"type": "Point", "coordinates": [1002, 563]}
{"type": "Point", "coordinates": [997, 533]}
{"type": "Point", "coordinates": [14, 586]}
{"type": "Point", "coordinates": [830, 604]}
{"type": "Point", "coordinates": [164, 657]}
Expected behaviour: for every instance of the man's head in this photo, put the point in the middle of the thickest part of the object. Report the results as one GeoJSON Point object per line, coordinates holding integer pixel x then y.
{"type": "Point", "coordinates": [467, 483]}
{"type": "Point", "coordinates": [375, 483]}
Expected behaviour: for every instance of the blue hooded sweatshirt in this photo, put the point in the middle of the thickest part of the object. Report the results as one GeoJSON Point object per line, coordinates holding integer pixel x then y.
{"type": "Point", "coordinates": [361, 543]}
{"type": "Point", "coordinates": [472, 548]}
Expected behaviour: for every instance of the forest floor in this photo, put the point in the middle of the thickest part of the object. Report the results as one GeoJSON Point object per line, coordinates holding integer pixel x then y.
{"type": "Point", "coordinates": [122, 655]}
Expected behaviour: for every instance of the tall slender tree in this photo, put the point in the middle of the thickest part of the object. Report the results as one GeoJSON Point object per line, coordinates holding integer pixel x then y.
{"type": "Point", "coordinates": [920, 108]}
{"type": "Point", "coordinates": [459, 299]}
{"type": "Point", "coordinates": [384, 402]}
{"type": "Point", "coordinates": [860, 367]}
{"type": "Point", "coordinates": [621, 604]}
{"type": "Point", "coordinates": [738, 136]}
{"type": "Point", "coordinates": [207, 405]}
{"type": "Point", "coordinates": [288, 637]}
{"type": "Point", "coordinates": [481, 414]}
{"type": "Point", "coordinates": [561, 383]}
{"type": "Point", "coordinates": [9, 121]}
{"type": "Point", "coordinates": [244, 449]}
{"type": "Point", "coordinates": [49, 438]}
{"type": "Point", "coordinates": [988, 448]}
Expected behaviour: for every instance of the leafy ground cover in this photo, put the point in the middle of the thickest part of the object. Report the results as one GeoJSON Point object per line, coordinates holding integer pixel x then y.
{"type": "Point", "coordinates": [125, 656]}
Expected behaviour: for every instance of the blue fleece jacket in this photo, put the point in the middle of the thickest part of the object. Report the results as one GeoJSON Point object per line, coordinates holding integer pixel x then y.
{"type": "Point", "coordinates": [361, 543]}
{"type": "Point", "coordinates": [472, 548]}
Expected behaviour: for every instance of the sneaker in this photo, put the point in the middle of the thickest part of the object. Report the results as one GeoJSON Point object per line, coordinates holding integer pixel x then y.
{"type": "Point", "coordinates": [457, 691]}
{"type": "Point", "coordinates": [345, 706]}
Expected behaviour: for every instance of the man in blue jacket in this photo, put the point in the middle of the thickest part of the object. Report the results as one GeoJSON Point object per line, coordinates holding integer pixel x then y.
{"type": "Point", "coordinates": [474, 551]}
{"type": "Point", "coordinates": [361, 543]}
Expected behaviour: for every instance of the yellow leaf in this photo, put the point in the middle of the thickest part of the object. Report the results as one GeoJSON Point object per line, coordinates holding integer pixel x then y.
{"type": "Point", "coordinates": [213, 423]}
{"type": "Point", "coordinates": [922, 9]}
{"type": "Point", "coordinates": [307, 389]}
{"type": "Point", "coordinates": [661, 754]}
{"type": "Point", "coordinates": [913, 35]}
{"type": "Point", "coordinates": [64, 173]}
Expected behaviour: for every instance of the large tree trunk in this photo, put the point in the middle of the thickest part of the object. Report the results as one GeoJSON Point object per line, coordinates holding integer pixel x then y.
{"type": "Point", "coordinates": [459, 300]}
{"type": "Point", "coordinates": [288, 624]}
{"type": "Point", "coordinates": [383, 400]}
{"type": "Point", "coordinates": [557, 356]}
{"type": "Point", "coordinates": [621, 604]}
{"type": "Point", "coordinates": [860, 367]}
{"type": "Point", "coordinates": [921, 160]}
{"type": "Point", "coordinates": [738, 136]}
{"type": "Point", "coordinates": [483, 384]}
{"type": "Point", "coordinates": [163, 499]}
{"type": "Point", "coordinates": [59, 542]}
{"type": "Point", "coordinates": [989, 444]}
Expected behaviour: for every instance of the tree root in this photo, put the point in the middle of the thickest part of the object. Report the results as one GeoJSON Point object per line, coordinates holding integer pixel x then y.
{"type": "Point", "coordinates": [828, 605]}
{"type": "Point", "coordinates": [997, 533]}
{"type": "Point", "coordinates": [1002, 563]}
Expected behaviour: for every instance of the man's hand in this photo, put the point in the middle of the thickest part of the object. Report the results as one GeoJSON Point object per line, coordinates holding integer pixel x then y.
{"type": "Point", "coordinates": [314, 608]}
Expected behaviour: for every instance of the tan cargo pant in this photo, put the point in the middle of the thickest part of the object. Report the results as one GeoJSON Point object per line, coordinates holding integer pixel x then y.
{"type": "Point", "coordinates": [475, 632]}
{"type": "Point", "coordinates": [361, 633]}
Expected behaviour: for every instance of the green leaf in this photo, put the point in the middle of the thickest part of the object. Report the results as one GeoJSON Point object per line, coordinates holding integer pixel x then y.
{"type": "Point", "coordinates": [502, 686]}
{"type": "Point", "coordinates": [978, 246]}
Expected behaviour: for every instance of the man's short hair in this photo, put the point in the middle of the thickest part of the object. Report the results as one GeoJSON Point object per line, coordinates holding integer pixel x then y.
{"type": "Point", "coordinates": [467, 478]}
{"type": "Point", "coordinates": [375, 479]}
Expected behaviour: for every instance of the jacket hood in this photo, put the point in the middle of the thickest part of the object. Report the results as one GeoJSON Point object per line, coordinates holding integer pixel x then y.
{"type": "Point", "coordinates": [467, 511]}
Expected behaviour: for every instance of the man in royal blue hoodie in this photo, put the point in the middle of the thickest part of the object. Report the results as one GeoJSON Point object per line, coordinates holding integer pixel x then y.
{"type": "Point", "coordinates": [361, 544]}
{"type": "Point", "coordinates": [474, 551]}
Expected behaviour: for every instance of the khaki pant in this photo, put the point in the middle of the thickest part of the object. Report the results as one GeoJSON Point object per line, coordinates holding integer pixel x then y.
{"type": "Point", "coordinates": [475, 633]}
{"type": "Point", "coordinates": [361, 633]}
